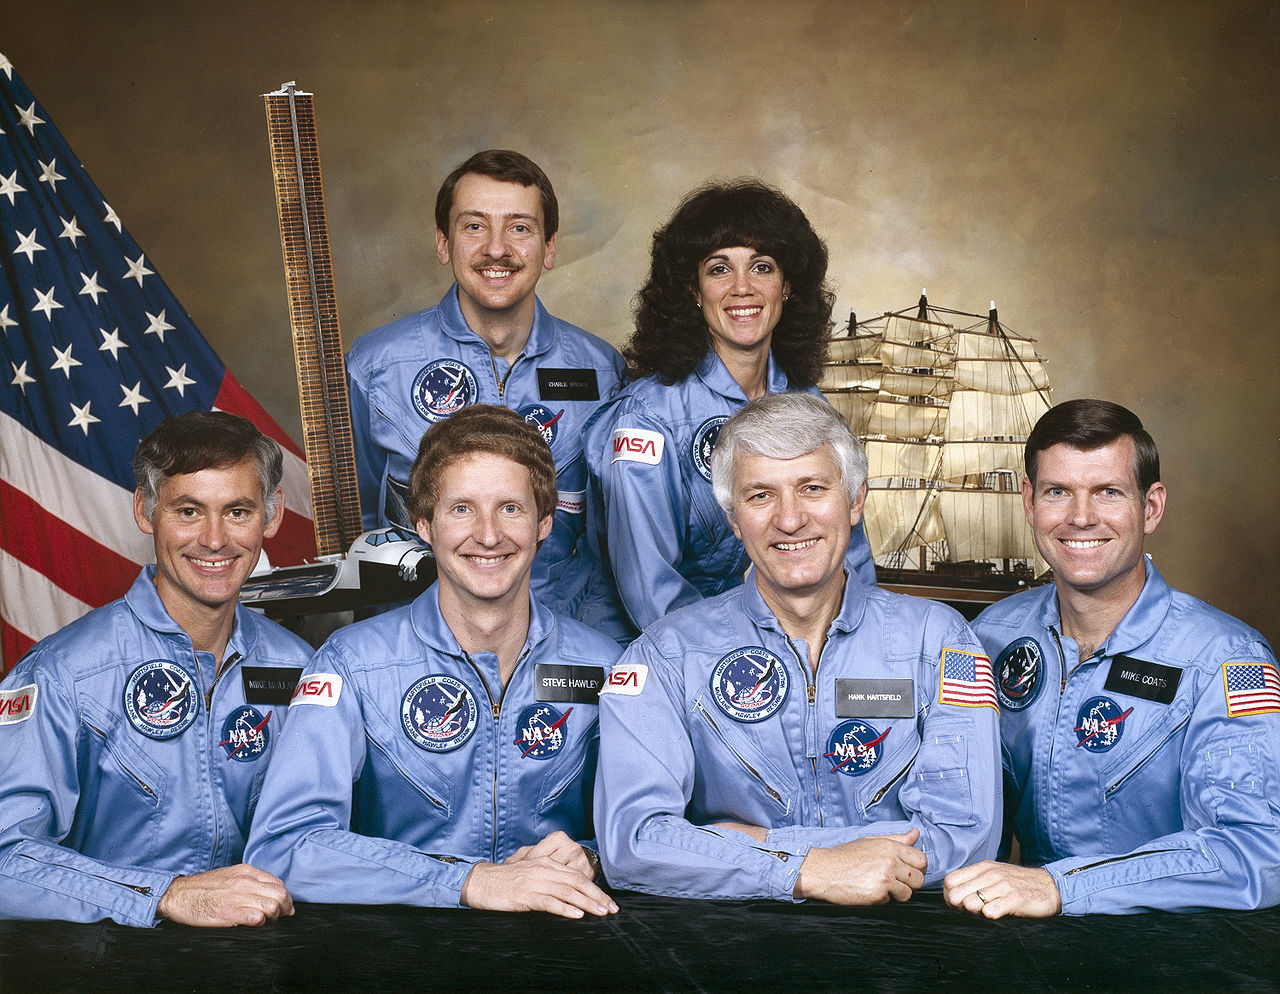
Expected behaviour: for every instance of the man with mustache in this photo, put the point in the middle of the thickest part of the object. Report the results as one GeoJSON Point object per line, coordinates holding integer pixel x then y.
{"type": "Point", "coordinates": [134, 741]}
{"type": "Point", "coordinates": [491, 341]}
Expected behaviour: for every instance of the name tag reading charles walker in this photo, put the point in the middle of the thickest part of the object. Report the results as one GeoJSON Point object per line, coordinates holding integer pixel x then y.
{"type": "Point", "coordinates": [270, 684]}
{"type": "Point", "coordinates": [875, 698]}
{"type": "Point", "coordinates": [567, 384]}
{"type": "Point", "coordinates": [574, 684]}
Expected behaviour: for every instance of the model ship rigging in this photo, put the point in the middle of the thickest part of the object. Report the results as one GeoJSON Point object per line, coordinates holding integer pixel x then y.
{"type": "Point", "coordinates": [943, 401]}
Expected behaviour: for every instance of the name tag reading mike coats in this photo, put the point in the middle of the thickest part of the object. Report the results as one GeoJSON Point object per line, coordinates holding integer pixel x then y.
{"type": "Point", "coordinates": [574, 684]}
{"type": "Point", "coordinates": [893, 698]}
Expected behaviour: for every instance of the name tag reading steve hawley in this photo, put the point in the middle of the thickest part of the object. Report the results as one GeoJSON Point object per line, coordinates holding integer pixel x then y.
{"type": "Point", "coordinates": [574, 684]}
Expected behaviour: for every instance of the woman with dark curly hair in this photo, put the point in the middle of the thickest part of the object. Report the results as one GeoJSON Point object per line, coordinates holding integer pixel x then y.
{"type": "Point", "coordinates": [736, 306]}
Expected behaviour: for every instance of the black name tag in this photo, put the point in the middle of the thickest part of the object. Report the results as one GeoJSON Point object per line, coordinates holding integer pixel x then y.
{"type": "Point", "coordinates": [1138, 678]}
{"type": "Point", "coordinates": [575, 684]}
{"type": "Point", "coordinates": [875, 698]}
{"type": "Point", "coordinates": [567, 384]}
{"type": "Point", "coordinates": [270, 684]}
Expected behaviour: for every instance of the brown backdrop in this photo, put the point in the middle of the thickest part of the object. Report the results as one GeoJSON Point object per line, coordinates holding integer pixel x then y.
{"type": "Point", "coordinates": [1107, 172]}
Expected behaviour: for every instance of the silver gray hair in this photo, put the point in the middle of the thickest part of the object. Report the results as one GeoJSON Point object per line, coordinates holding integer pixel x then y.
{"type": "Point", "coordinates": [785, 426]}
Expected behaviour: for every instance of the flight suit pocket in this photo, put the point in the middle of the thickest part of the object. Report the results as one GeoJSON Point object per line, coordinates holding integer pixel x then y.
{"type": "Point", "coordinates": [1235, 775]}
{"type": "Point", "coordinates": [770, 788]}
{"type": "Point", "coordinates": [939, 778]}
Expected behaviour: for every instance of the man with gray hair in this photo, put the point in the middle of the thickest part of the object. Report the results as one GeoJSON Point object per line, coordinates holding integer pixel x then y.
{"type": "Point", "coordinates": [803, 735]}
{"type": "Point", "coordinates": [133, 742]}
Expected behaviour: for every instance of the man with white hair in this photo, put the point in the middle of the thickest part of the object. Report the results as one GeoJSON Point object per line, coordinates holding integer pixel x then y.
{"type": "Point", "coordinates": [803, 735]}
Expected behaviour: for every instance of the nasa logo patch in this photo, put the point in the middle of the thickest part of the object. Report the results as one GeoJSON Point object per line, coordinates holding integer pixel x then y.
{"type": "Point", "coordinates": [1100, 724]}
{"type": "Point", "coordinates": [245, 735]}
{"type": "Point", "coordinates": [1018, 673]}
{"type": "Point", "coordinates": [749, 684]}
{"type": "Point", "coordinates": [160, 699]}
{"type": "Point", "coordinates": [442, 388]}
{"type": "Point", "coordinates": [439, 713]}
{"type": "Point", "coordinates": [704, 443]}
{"type": "Point", "coordinates": [855, 747]}
{"type": "Point", "coordinates": [543, 731]}
{"type": "Point", "coordinates": [542, 419]}
{"type": "Point", "coordinates": [18, 704]}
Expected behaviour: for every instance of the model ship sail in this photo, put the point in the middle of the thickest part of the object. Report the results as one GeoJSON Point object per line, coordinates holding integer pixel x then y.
{"type": "Point", "coordinates": [313, 314]}
{"type": "Point", "coordinates": [943, 402]}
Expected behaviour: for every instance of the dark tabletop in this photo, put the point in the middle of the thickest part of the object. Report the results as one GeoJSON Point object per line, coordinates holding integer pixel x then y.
{"type": "Point", "coordinates": [655, 944]}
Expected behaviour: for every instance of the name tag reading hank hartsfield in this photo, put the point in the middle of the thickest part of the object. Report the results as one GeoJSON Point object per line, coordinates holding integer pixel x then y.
{"type": "Point", "coordinates": [574, 684]}
{"type": "Point", "coordinates": [890, 698]}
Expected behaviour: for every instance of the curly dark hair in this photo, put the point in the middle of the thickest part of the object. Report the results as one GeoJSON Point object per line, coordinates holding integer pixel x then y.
{"type": "Point", "coordinates": [671, 336]}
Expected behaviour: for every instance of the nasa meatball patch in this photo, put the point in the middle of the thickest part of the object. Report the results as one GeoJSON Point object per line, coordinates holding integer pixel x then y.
{"type": "Point", "coordinates": [442, 388]}
{"type": "Point", "coordinates": [439, 713]}
{"type": "Point", "coordinates": [1100, 724]}
{"type": "Point", "coordinates": [160, 699]}
{"type": "Point", "coordinates": [245, 735]}
{"type": "Point", "coordinates": [543, 729]}
{"type": "Point", "coordinates": [544, 419]}
{"type": "Point", "coordinates": [749, 684]}
{"type": "Point", "coordinates": [18, 704]}
{"type": "Point", "coordinates": [855, 747]}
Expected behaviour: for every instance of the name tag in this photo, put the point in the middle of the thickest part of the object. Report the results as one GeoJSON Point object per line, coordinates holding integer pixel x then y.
{"type": "Point", "coordinates": [574, 684]}
{"type": "Point", "coordinates": [567, 384]}
{"type": "Point", "coordinates": [1138, 678]}
{"type": "Point", "coordinates": [875, 698]}
{"type": "Point", "coordinates": [270, 684]}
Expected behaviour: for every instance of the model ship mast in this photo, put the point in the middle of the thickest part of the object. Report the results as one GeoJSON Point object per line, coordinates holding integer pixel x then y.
{"type": "Point", "coordinates": [943, 401]}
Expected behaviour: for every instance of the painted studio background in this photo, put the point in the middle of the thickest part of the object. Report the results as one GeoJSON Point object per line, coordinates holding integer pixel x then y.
{"type": "Point", "coordinates": [1108, 173]}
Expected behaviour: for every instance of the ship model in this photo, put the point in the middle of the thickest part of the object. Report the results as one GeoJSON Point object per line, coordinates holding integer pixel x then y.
{"type": "Point", "coordinates": [943, 402]}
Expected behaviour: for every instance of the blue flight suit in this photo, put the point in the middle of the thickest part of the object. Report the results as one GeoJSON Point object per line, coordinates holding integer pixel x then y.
{"type": "Point", "coordinates": [123, 763]}
{"type": "Point", "coordinates": [1146, 777]}
{"type": "Point", "coordinates": [406, 762]}
{"type": "Point", "coordinates": [419, 369]}
{"type": "Point", "coordinates": [712, 715]}
{"type": "Point", "coordinates": [656, 537]}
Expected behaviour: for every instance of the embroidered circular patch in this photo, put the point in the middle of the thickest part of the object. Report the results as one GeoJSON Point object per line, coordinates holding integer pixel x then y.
{"type": "Point", "coordinates": [542, 419]}
{"type": "Point", "coordinates": [442, 388]}
{"type": "Point", "coordinates": [439, 713]}
{"type": "Point", "coordinates": [1018, 673]}
{"type": "Point", "coordinates": [543, 731]}
{"type": "Point", "coordinates": [749, 684]}
{"type": "Point", "coordinates": [854, 747]}
{"type": "Point", "coordinates": [245, 734]}
{"type": "Point", "coordinates": [704, 443]}
{"type": "Point", "coordinates": [1100, 724]}
{"type": "Point", "coordinates": [160, 699]}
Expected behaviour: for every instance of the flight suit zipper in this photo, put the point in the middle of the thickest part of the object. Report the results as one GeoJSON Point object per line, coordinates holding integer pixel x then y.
{"type": "Point", "coordinates": [749, 768]}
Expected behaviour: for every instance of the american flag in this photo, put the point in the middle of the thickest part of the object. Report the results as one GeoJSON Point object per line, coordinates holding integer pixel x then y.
{"type": "Point", "coordinates": [967, 680]}
{"type": "Point", "coordinates": [94, 352]}
{"type": "Point", "coordinates": [1252, 688]}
